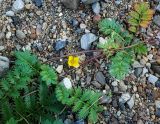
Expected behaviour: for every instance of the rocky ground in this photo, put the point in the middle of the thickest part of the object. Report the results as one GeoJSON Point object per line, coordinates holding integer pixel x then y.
{"type": "Point", "coordinates": [53, 28]}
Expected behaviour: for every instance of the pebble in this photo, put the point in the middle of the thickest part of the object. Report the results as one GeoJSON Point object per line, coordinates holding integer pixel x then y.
{"type": "Point", "coordinates": [130, 103]}
{"type": "Point", "coordinates": [39, 46]}
{"type": "Point", "coordinates": [82, 26]}
{"type": "Point", "coordinates": [96, 18]}
{"type": "Point", "coordinates": [114, 83]}
{"type": "Point", "coordinates": [157, 84]}
{"type": "Point", "coordinates": [100, 78]}
{"type": "Point", "coordinates": [20, 34]}
{"type": "Point", "coordinates": [155, 68]}
{"type": "Point", "coordinates": [71, 4]}
{"type": "Point", "coordinates": [136, 64]}
{"type": "Point", "coordinates": [140, 121]}
{"type": "Point", "coordinates": [158, 7]}
{"type": "Point", "coordinates": [4, 65]}
{"type": "Point", "coordinates": [152, 79]}
{"type": "Point", "coordinates": [59, 69]}
{"type": "Point", "coordinates": [138, 71]}
{"type": "Point", "coordinates": [18, 5]}
{"type": "Point", "coordinates": [124, 97]}
{"type": "Point", "coordinates": [9, 13]}
{"type": "Point", "coordinates": [67, 83]}
{"type": "Point", "coordinates": [87, 39]}
{"type": "Point", "coordinates": [122, 86]}
{"type": "Point", "coordinates": [158, 112]}
{"type": "Point", "coordinates": [150, 56]}
{"type": "Point", "coordinates": [157, 103]}
{"type": "Point", "coordinates": [96, 84]}
{"type": "Point", "coordinates": [145, 70]}
{"type": "Point", "coordinates": [2, 48]}
{"type": "Point", "coordinates": [79, 122]}
{"type": "Point", "coordinates": [2, 35]}
{"type": "Point", "coordinates": [89, 1]}
{"type": "Point", "coordinates": [8, 35]}
{"type": "Point", "coordinates": [74, 22]}
{"type": "Point", "coordinates": [60, 44]}
{"type": "Point", "coordinates": [156, 20]}
{"type": "Point", "coordinates": [96, 8]}
{"type": "Point", "coordinates": [38, 3]}
{"type": "Point", "coordinates": [105, 99]}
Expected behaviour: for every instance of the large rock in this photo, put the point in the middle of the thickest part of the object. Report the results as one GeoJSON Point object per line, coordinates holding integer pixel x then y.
{"type": "Point", "coordinates": [4, 65]}
{"type": "Point", "coordinates": [89, 1]}
{"type": "Point", "coordinates": [71, 4]}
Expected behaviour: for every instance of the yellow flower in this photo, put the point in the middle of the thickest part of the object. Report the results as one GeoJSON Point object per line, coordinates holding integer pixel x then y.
{"type": "Point", "coordinates": [73, 61]}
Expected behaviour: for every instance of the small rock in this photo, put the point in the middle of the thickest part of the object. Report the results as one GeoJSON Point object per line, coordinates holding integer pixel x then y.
{"type": "Point", "coordinates": [145, 70]}
{"type": "Point", "coordinates": [96, 8]}
{"type": "Point", "coordinates": [118, 2]}
{"type": "Point", "coordinates": [74, 22]}
{"type": "Point", "coordinates": [130, 103]}
{"type": "Point", "coordinates": [59, 69]}
{"type": "Point", "coordinates": [158, 8]}
{"type": "Point", "coordinates": [105, 99]}
{"type": "Point", "coordinates": [39, 46]}
{"type": "Point", "coordinates": [60, 44]}
{"type": "Point", "coordinates": [4, 65]}
{"type": "Point", "coordinates": [82, 26]}
{"type": "Point", "coordinates": [38, 3]}
{"type": "Point", "coordinates": [87, 39]}
{"type": "Point", "coordinates": [1, 1]}
{"type": "Point", "coordinates": [121, 106]}
{"type": "Point", "coordinates": [68, 121]}
{"type": "Point", "coordinates": [150, 56]}
{"type": "Point", "coordinates": [122, 86]}
{"type": "Point", "coordinates": [16, 20]}
{"type": "Point", "coordinates": [158, 112]}
{"type": "Point", "coordinates": [114, 83]}
{"type": "Point", "coordinates": [100, 78]}
{"type": "Point", "coordinates": [89, 1]}
{"type": "Point", "coordinates": [152, 79]}
{"type": "Point", "coordinates": [2, 48]}
{"type": "Point", "coordinates": [156, 20]}
{"type": "Point", "coordinates": [137, 72]}
{"type": "Point", "coordinates": [140, 121]}
{"type": "Point", "coordinates": [20, 34]}
{"type": "Point", "coordinates": [157, 103]}
{"type": "Point", "coordinates": [156, 68]}
{"type": "Point", "coordinates": [8, 35]}
{"type": "Point", "coordinates": [71, 4]}
{"type": "Point", "coordinates": [9, 13]}
{"type": "Point", "coordinates": [114, 103]}
{"type": "Point", "coordinates": [79, 122]}
{"type": "Point", "coordinates": [2, 35]}
{"type": "Point", "coordinates": [33, 33]}
{"type": "Point", "coordinates": [18, 5]}
{"type": "Point", "coordinates": [157, 84]}
{"type": "Point", "coordinates": [96, 18]}
{"type": "Point", "coordinates": [136, 64]}
{"type": "Point", "coordinates": [96, 84]}
{"type": "Point", "coordinates": [124, 97]}
{"type": "Point", "coordinates": [67, 83]}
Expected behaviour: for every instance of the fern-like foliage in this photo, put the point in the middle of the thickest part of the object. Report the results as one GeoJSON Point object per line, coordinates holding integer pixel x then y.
{"type": "Point", "coordinates": [85, 103]}
{"type": "Point", "coordinates": [120, 64]}
{"type": "Point", "coordinates": [26, 87]}
{"type": "Point", "coordinates": [48, 75]}
{"type": "Point", "coordinates": [140, 16]}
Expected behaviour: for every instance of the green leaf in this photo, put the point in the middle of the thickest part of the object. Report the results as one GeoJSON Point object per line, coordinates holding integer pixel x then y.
{"type": "Point", "coordinates": [133, 29]}
{"type": "Point", "coordinates": [48, 75]}
{"type": "Point", "coordinates": [134, 14]}
{"type": "Point", "coordinates": [93, 117]}
{"type": "Point", "coordinates": [120, 65]}
{"type": "Point", "coordinates": [133, 22]}
{"type": "Point", "coordinates": [59, 121]}
{"type": "Point", "coordinates": [140, 49]}
{"type": "Point", "coordinates": [83, 113]}
{"type": "Point", "coordinates": [11, 121]}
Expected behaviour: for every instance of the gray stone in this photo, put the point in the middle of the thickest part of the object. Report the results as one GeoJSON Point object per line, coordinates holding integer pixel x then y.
{"type": "Point", "coordinates": [130, 103]}
{"type": "Point", "coordinates": [1, 1]}
{"type": "Point", "coordinates": [158, 7]}
{"type": "Point", "coordinates": [4, 65]}
{"type": "Point", "coordinates": [87, 39]}
{"type": "Point", "coordinates": [152, 79]}
{"type": "Point", "coordinates": [20, 34]}
{"type": "Point", "coordinates": [89, 1]}
{"type": "Point", "coordinates": [157, 103]}
{"type": "Point", "coordinates": [105, 99]}
{"type": "Point", "coordinates": [71, 4]}
{"type": "Point", "coordinates": [2, 48]}
{"type": "Point", "coordinates": [100, 78]}
{"type": "Point", "coordinates": [122, 86]}
{"type": "Point", "coordinates": [138, 71]}
{"type": "Point", "coordinates": [9, 13]}
{"type": "Point", "coordinates": [96, 8]}
{"type": "Point", "coordinates": [124, 97]}
{"type": "Point", "coordinates": [114, 83]}
{"type": "Point", "coordinates": [60, 44]}
{"type": "Point", "coordinates": [156, 20]}
{"type": "Point", "coordinates": [2, 35]}
{"type": "Point", "coordinates": [18, 5]}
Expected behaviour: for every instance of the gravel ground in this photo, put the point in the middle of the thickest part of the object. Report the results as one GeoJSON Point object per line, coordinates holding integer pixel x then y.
{"type": "Point", "coordinates": [51, 30]}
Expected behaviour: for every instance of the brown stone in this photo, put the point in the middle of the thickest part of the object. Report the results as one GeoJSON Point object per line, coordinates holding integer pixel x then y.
{"type": "Point", "coordinates": [33, 33]}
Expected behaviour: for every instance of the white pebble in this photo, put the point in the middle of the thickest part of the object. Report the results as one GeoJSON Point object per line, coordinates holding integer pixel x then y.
{"type": "Point", "coordinates": [18, 5]}
{"type": "Point", "coordinates": [9, 13]}
{"type": "Point", "coordinates": [67, 83]}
